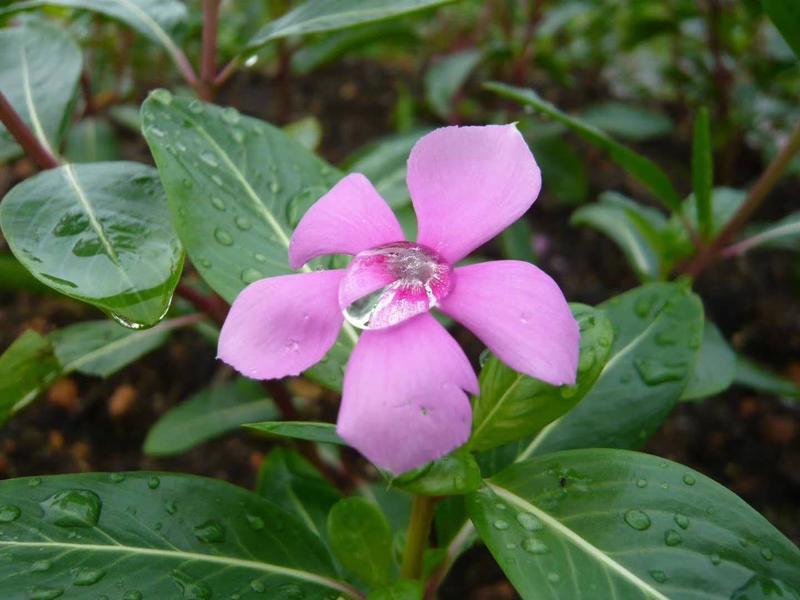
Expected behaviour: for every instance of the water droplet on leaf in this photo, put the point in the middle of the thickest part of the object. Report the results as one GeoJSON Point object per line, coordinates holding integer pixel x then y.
{"type": "Point", "coordinates": [162, 96]}
{"type": "Point", "coordinates": [85, 576]}
{"type": "Point", "coordinates": [659, 576]}
{"type": "Point", "coordinates": [529, 522]}
{"type": "Point", "coordinates": [672, 538]}
{"type": "Point", "coordinates": [9, 513]}
{"type": "Point", "coordinates": [230, 115]}
{"type": "Point", "coordinates": [681, 521]}
{"type": "Point", "coordinates": [534, 546]}
{"type": "Point", "coordinates": [500, 524]}
{"type": "Point", "coordinates": [153, 482]}
{"type": "Point", "coordinates": [688, 479]}
{"type": "Point", "coordinates": [72, 508]}
{"type": "Point", "coordinates": [223, 237]}
{"type": "Point", "coordinates": [637, 519]}
{"type": "Point", "coordinates": [655, 372]}
{"type": "Point", "coordinates": [210, 532]}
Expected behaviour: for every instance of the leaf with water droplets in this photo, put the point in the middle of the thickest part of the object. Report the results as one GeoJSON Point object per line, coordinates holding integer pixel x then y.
{"type": "Point", "coordinates": [456, 473]}
{"type": "Point", "coordinates": [714, 368]}
{"type": "Point", "coordinates": [512, 405]}
{"type": "Point", "coordinates": [99, 233]}
{"type": "Point", "coordinates": [92, 536]}
{"type": "Point", "coordinates": [601, 535]}
{"type": "Point", "coordinates": [26, 367]}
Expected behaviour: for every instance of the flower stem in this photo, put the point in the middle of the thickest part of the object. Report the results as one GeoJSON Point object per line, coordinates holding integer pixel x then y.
{"type": "Point", "coordinates": [34, 148]}
{"type": "Point", "coordinates": [208, 61]}
{"type": "Point", "coordinates": [419, 528]}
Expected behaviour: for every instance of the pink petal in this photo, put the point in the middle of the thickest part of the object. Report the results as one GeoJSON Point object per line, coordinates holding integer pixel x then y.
{"type": "Point", "coordinates": [519, 312]}
{"type": "Point", "coordinates": [404, 402]}
{"type": "Point", "coordinates": [281, 326]}
{"type": "Point", "coordinates": [350, 218]}
{"type": "Point", "coordinates": [468, 184]}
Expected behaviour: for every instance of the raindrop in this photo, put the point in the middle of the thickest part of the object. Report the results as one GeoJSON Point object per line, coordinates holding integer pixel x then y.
{"type": "Point", "coordinates": [230, 115]}
{"type": "Point", "coordinates": [524, 318]}
{"type": "Point", "coordinates": [643, 305]}
{"type": "Point", "coordinates": [553, 577]}
{"type": "Point", "coordinates": [484, 357]}
{"type": "Point", "coordinates": [251, 60]}
{"type": "Point", "coordinates": [292, 345]}
{"type": "Point", "coordinates": [41, 565]}
{"type": "Point", "coordinates": [223, 237]}
{"type": "Point", "coordinates": [156, 131]}
{"type": "Point", "coordinates": [500, 524]}
{"type": "Point", "coordinates": [45, 593]}
{"type": "Point", "coordinates": [171, 507]}
{"type": "Point", "coordinates": [290, 591]}
{"type": "Point", "coordinates": [117, 477]}
{"type": "Point", "coordinates": [689, 479]}
{"type": "Point", "coordinates": [9, 513]}
{"type": "Point", "coordinates": [534, 546]}
{"type": "Point", "coordinates": [180, 146]}
{"type": "Point", "coordinates": [196, 107]}
{"type": "Point", "coordinates": [500, 506]}
{"type": "Point", "coordinates": [715, 559]}
{"type": "Point", "coordinates": [243, 223]}
{"type": "Point", "coordinates": [637, 519]}
{"type": "Point", "coordinates": [86, 576]}
{"type": "Point", "coordinates": [191, 590]}
{"type": "Point", "coordinates": [216, 179]}
{"type": "Point", "coordinates": [640, 483]}
{"type": "Point", "coordinates": [256, 523]}
{"type": "Point", "coordinates": [34, 481]}
{"type": "Point", "coordinates": [766, 553]}
{"type": "Point", "coordinates": [72, 508]}
{"type": "Point", "coordinates": [209, 159]}
{"type": "Point", "coordinates": [587, 360]}
{"type": "Point", "coordinates": [163, 96]}
{"type": "Point", "coordinates": [274, 186]}
{"type": "Point", "coordinates": [132, 595]}
{"type": "Point", "coordinates": [529, 522]}
{"type": "Point", "coordinates": [205, 263]}
{"type": "Point", "coordinates": [681, 521]}
{"type": "Point", "coordinates": [238, 135]}
{"type": "Point", "coordinates": [251, 275]}
{"type": "Point", "coordinates": [672, 538]}
{"type": "Point", "coordinates": [260, 257]}
{"type": "Point", "coordinates": [655, 372]}
{"type": "Point", "coordinates": [210, 532]}
{"type": "Point", "coordinates": [153, 482]}
{"type": "Point", "coordinates": [659, 576]}
{"type": "Point", "coordinates": [257, 586]}
{"type": "Point", "coordinates": [217, 203]}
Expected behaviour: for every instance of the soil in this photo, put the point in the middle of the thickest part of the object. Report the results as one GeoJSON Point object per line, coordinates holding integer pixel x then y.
{"type": "Point", "coordinates": [748, 441]}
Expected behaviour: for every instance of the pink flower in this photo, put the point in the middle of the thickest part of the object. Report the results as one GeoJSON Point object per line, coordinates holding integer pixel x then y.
{"type": "Point", "coordinates": [405, 400]}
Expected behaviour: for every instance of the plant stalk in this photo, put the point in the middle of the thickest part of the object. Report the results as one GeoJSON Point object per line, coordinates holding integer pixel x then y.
{"type": "Point", "coordinates": [755, 198]}
{"type": "Point", "coordinates": [37, 151]}
{"type": "Point", "coordinates": [208, 61]}
{"type": "Point", "coordinates": [419, 528]}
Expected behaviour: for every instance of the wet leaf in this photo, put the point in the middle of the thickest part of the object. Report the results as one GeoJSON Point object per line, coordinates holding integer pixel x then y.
{"type": "Point", "coordinates": [306, 131]}
{"type": "Point", "coordinates": [758, 377]}
{"type": "Point", "coordinates": [456, 473]}
{"type": "Point", "coordinates": [446, 76]}
{"type": "Point", "coordinates": [714, 368]}
{"type": "Point", "coordinates": [324, 433]}
{"type": "Point", "coordinates": [27, 367]}
{"type": "Point", "coordinates": [628, 121]}
{"type": "Point", "coordinates": [786, 16]}
{"type": "Point", "coordinates": [91, 140]}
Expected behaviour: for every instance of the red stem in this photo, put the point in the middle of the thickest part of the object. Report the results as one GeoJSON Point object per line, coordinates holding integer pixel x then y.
{"type": "Point", "coordinates": [22, 133]}
{"type": "Point", "coordinates": [208, 64]}
{"type": "Point", "coordinates": [212, 306]}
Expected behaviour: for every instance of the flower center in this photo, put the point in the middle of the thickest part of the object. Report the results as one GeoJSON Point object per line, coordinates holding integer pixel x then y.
{"type": "Point", "coordinates": [389, 284]}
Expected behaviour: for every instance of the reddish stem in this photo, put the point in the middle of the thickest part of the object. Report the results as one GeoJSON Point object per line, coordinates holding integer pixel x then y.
{"type": "Point", "coordinates": [86, 89]}
{"type": "Point", "coordinates": [42, 156]}
{"type": "Point", "coordinates": [208, 61]}
{"type": "Point", "coordinates": [227, 71]}
{"type": "Point", "coordinates": [212, 306]}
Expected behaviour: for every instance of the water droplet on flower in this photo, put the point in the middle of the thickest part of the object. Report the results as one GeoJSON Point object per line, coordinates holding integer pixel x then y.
{"type": "Point", "coordinates": [85, 576]}
{"type": "Point", "coordinates": [230, 115]}
{"type": "Point", "coordinates": [672, 538]}
{"type": "Point", "coordinates": [223, 237]}
{"type": "Point", "coordinates": [500, 524]}
{"type": "Point", "coordinates": [210, 532]}
{"type": "Point", "coordinates": [524, 318]}
{"type": "Point", "coordinates": [251, 275]}
{"type": "Point", "coordinates": [637, 519]}
{"type": "Point", "coordinates": [292, 345]}
{"type": "Point", "coordinates": [529, 522]}
{"type": "Point", "coordinates": [534, 546]}
{"type": "Point", "coordinates": [9, 513]}
{"type": "Point", "coordinates": [681, 521]}
{"type": "Point", "coordinates": [72, 508]}
{"type": "Point", "coordinates": [659, 576]}
{"type": "Point", "coordinates": [688, 479]}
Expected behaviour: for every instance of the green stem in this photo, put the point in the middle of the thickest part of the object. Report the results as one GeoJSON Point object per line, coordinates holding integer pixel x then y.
{"type": "Point", "coordinates": [419, 528]}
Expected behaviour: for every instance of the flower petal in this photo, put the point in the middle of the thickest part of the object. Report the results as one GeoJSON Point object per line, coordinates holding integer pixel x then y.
{"type": "Point", "coordinates": [468, 184]}
{"type": "Point", "coordinates": [350, 218]}
{"type": "Point", "coordinates": [519, 312]}
{"type": "Point", "coordinates": [404, 402]}
{"type": "Point", "coordinates": [281, 326]}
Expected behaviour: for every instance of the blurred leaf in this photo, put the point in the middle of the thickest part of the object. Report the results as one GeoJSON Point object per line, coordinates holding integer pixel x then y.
{"type": "Point", "coordinates": [628, 121]}
{"type": "Point", "coordinates": [313, 16]}
{"type": "Point", "coordinates": [384, 164]}
{"type": "Point", "coordinates": [657, 331]}
{"type": "Point", "coordinates": [516, 242]}
{"type": "Point", "coordinates": [620, 524]}
{"type": "Point", "coordinates": [99, 233]}
{"type": "Point", "coordinates": [126, 115]}
{"type": "Point", "coordinates": [291, 482]}
{"type": "Point", "coordinates": [26, 367]}
{"type": "Point", "coordinates": [715, 367]}
{"type": "Point", "coordinates": [40, 65]}
{"type": "Point", "coordinates": [306, 131]}
{"type": "Point", "coordinates": [703, 171]}
{"type": "Point", "coordinates": [512, 405]}
{"type": "Point", "coordinates": [13, 276]}
{"type": "Point", "coordinates": [753, 375]}
{"type": "Point", "coordinates": [565, 178]}
{"type": "Point", "coordinates": [208, 414]}
{"type": "Point", "coordinates": [632, 226]}
{"type": "Point", "coordinates": [643, 169]}
{"type": "Point", "coordinates": [155, 19]}
{"type": "Point", "coordinates": [783, 234]}
{"type": "Point", "coordinates": [155, 535]}
{"type": "Point", "coordinates": [361, 539]}
{"type": "Point", "coordinates": [237, 187]}
{"type": "Point", "coordinates": [446, 76]}
{"type": "Point", "coordinates": [324, 433]}
{"type": "Point", "coordinates": [785, 14]}
{"type": "Point", "coordinates": [91, 140]}
{"type": "Point", "coordinates": [399, 590]}
{"type": "Point", "coordinates": [456, 473]}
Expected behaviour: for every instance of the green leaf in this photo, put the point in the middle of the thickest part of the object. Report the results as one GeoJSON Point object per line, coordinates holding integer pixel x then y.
{"type": "Point", "coordinates": [446, 76]}
{"type": "Point", "coordinates": [155, 19]}
{"type": "Point", "coordinates": [26, 368]}
{"type": "Point", "coordinates": [91, 140]}
{"type": "Point", "coordinates": [13, 276]}
{"type": "Point", "coordinates": [237, 187]}
{"type": "Point", "coordinates": [633, 227]}
{"type": "Point", "coordinates": [785, 14]}
{"type": "Point", "coordinates": [306, 131]}
{"type": "Point", "coordinates": [628, 121]}
{"type": "Point", "coordinates": [567, 180]}
{"type": "Point", "coordinates": [715, 367]}
{"type": "Point", "coordinates": [40, 65]}
{"type": "Point", "coordinates": [753, 375]}
{"type": "Point", "coordinates": [512, 405]}
{"type": "Point", "coordinates": [324, 433]}
{"type": "Point", "coordinates": [617, 524]}
{"type": "Point", "coordinates": [456, 473]}
{"type": "Point", "coordinates": [314, 16]}
{"type": "Point", "coordinates": [516, 242]}
{"type": "Point", "coordinates": [154, 535]}
{"type": "Point", "coordinates": [361, 539]}
{"type": "Point", "coordinates": [783, 234]}
{"type": "Point", "coordinates": [643, 169]}
{"type": "Point", "coordinates": [657, 330]}
{"type": "Point", "coordinates": [102, 348]}
{"type": "Point", "coordinates": [384, 164]}
{"type": "Point", "coordinates": [703, 170]}
{"type": "Point", "coordinates": [99, 233]}
{"type": "Point", "coordinates": [400, 590]}
{"type": "Point", "coordinates": [291, 482]}
{"type": "Point", "coordinates": [208, 414]}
